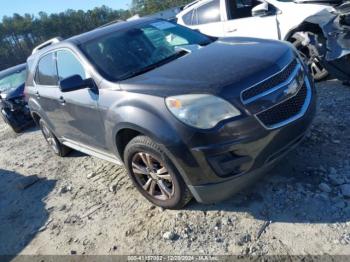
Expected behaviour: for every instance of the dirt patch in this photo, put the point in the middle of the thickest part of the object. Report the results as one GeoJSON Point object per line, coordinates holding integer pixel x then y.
{"type": "Point", "coordinates": [82, 205]}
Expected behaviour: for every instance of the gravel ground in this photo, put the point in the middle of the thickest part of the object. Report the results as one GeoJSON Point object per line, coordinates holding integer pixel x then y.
{"type": "Point", "coordinates": [82, 205]}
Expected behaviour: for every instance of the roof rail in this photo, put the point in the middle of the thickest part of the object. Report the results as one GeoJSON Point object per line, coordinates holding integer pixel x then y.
{"type": "Point", "coordinates": [46, 44]}
{"type": "Point", "coordinates": [111, 23]}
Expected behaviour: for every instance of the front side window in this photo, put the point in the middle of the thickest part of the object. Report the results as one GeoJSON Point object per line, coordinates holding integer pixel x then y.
{"type": "Point", "coordinates": [68, 65]}
{"type": "Point", "coordinates": [127, 53]}
{"type": "Point", "coordinates": [46, 72]}
{"type": "Point", "coordinates": [13, 80]}
{"type": "Point", "coordinates": [208, 13]}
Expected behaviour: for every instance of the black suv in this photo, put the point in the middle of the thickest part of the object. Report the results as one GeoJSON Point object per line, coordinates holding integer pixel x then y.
{"type": "Point", "coordinates": [187, 114]}
{"type": "Point", "coordinates": [13, 106]}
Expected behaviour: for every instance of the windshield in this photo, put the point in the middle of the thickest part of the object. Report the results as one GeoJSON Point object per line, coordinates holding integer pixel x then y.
{"type": "Point", "coordinates": [12, 81]}
{"type": "Point", "coordinates": [126, 53]}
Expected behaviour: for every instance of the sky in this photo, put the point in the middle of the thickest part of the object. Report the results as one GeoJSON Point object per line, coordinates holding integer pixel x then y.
{"type": "Point", "coordinates": [9, 7]}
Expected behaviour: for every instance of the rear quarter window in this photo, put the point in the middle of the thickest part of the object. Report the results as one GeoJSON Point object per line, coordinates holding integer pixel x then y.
{"type": "Point", "coordinates": [188, 18]}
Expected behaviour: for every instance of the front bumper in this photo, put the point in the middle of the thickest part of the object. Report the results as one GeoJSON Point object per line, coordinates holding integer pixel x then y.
{"type": "Point", "coordinates": [216, 192]}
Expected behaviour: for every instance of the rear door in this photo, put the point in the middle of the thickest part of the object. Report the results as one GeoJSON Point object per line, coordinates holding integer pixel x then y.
{"type": "Point", "coordinates": [84, 124]}
{"type": "Point", "coordinates": [47, 93]}
{"type": "Point", "coordinates": [240, 22]}
{"type": "Point", "coordinates": [206, 17]}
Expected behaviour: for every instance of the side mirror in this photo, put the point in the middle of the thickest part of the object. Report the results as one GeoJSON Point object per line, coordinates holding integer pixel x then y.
{"type": "Point", "coordinates": [75, 82]}
{"type": "Point", "coordinates": [261, 10]}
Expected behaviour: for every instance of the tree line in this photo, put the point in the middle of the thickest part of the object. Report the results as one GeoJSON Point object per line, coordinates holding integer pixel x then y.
{"type": "Point", "coordinates": [146, 7]}
{"type": "Point", "coordinates": [19, 34]}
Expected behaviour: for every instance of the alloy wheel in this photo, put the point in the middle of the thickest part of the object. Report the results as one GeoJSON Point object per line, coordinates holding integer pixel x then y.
{"type": "Point", "coordinates": [50, 139]}
{"type": "Point", "coordinates": [152, 176]}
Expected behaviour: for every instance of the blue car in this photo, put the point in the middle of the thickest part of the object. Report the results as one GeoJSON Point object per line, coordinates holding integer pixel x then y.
{"type": "Point", "coordinates": [14, 109]}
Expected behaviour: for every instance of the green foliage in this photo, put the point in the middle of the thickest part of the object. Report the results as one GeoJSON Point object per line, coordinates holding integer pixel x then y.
{"type": "Point", "coordinates": [147, 7]}
{"type": "Point", "coordinates": [20, 34]}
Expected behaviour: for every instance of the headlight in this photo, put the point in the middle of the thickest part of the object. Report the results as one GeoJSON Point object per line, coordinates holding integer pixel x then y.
{"type": "Point", "coordinates": [200, 110]}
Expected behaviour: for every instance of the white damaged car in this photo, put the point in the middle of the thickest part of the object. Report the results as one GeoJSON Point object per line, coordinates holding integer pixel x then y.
{"type": "Point", "coordinates": [273, 19]}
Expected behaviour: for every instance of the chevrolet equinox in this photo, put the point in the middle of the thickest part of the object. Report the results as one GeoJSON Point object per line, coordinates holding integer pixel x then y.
{"type": "Point", "coordinates": [187, 114]}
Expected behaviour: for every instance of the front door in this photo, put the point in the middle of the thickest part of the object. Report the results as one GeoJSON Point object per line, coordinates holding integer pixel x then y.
{"type": "Point", "coordinates": [47, 93]}
{"type": "Point", "coordinates": [84, 124]}
{"type": "Point", "coordinates": [240, 21]}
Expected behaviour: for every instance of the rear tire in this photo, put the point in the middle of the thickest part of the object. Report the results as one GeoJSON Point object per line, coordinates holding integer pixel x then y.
{"type": "Point", "coordinates": [154, 175]}
{"type": "Point", "coordinates": [56, 146]}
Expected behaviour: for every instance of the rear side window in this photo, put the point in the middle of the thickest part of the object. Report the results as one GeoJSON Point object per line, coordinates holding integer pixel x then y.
{"type": "Point", "coordinates": [47, 72]}
{"type": "Point", "coordinates": [208, 13]}
{"type": "Point", "coordinates": [68, 65]}
{"type": "Point", "coordinates": [188, 18]}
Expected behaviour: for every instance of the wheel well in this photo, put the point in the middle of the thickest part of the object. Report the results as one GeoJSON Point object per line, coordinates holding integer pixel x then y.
{"type": "Point", "coordinates": [36, 118]}
{"type": "Point", "coordinates": [305, 27]}
{"type": "Point", "coordinates": [123, 138]}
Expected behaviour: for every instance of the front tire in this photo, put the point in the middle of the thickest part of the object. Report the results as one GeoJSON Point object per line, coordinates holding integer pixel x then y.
{"type": "Point", "coordinates": [154, 175]}
{"type": "Point", "coordinates": [56, 146]}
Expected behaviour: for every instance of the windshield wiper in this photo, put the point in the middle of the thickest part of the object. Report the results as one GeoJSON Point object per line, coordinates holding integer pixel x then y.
{"type": "Point", "coordinates": [155, 65]}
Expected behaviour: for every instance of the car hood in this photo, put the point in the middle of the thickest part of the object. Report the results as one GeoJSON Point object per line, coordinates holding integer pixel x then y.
{"type": "Point", "coordinates": [228, 65]}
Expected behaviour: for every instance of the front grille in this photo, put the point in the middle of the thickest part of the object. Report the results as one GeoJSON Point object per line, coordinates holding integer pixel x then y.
{"type": "Point", "coordinates": [270, 83]}
{"type": "Point", "coordinates": [285, 110]}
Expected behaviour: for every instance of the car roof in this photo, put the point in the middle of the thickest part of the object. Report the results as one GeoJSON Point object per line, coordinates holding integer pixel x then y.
{"type": "Point", "coordinates": [93, 34]}
{"type": "Point", "coordinates": [109, 28]}
{"type": "Point", "coordinates": [12, 70]}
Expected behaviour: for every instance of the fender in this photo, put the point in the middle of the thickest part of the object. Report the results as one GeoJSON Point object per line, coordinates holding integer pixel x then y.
{"type": "Point", "coordinates": [330, 25]}
{"type": "Point", "coordinates": [336, 33]}
{"type": "Point", "coordinates": [171, 140]}
{"type": "Point", "coordinates": [145, 122]}
{"type": "Point", "coordinates": [35, 108]}
{"type": "Point", "coordinates": [140, 115]}
{"type": "Point", "coordinates": [332, 42]}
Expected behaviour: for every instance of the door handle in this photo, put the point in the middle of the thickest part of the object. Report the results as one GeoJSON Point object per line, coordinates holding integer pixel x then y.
{"type": "Point", "coordinates": [231, 30]}
{"type": "Point", "coordinates": [37, 94]}
{"type": "Point", "coordinates": [62, 101]}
